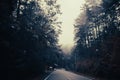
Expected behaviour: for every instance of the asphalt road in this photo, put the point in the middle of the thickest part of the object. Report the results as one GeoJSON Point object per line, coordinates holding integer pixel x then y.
{"type": "Point", "coordinates": [65, 75]}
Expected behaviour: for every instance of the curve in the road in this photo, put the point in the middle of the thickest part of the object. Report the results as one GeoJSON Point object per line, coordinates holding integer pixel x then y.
{"type": "Point", "coordinates": [65, 75]}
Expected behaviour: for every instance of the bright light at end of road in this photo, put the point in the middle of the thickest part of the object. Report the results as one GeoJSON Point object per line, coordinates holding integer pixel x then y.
{"type": "Point", "coordinates": [70, 10]}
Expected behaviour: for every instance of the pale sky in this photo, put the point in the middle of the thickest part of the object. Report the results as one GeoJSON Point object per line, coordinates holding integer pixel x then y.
{"type": "Point", "coordinates": [70, 10]}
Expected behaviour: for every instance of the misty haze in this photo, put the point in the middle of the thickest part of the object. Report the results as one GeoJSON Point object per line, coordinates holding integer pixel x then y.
{"type": "Point", "coordinates": [60, 39]}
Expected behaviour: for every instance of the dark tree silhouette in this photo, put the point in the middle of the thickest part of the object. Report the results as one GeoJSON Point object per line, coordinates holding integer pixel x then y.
{"type": "Point", "coordinates": [29, 34]}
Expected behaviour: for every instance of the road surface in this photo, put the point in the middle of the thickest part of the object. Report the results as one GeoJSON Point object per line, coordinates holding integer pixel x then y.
{"type": "Point", "coordinates": [65, 75]}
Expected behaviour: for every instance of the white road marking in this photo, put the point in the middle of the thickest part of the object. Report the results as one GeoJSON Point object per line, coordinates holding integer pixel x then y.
{"type": "Point", "coordinates": [48, 76]}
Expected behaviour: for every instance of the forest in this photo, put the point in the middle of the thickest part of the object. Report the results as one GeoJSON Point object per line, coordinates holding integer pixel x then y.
{"type": "Point", "coordinates": [29, 31]}
{"type": "Point", "coordinates": [97, 40]}
{"type": "Point", "coordinates": [28, 41]}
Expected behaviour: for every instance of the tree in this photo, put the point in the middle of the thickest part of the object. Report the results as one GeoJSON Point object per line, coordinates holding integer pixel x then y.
{"type": "Point", "coordinates": [28, 36]}
{"type": "Point", "coordinates": [98, 39]}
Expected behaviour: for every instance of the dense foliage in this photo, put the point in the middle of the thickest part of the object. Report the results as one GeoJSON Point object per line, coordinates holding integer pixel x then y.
{"type": "Point", "coordinates": [29, 37]}
{"type": "Point", "coordinates": [97, 40]}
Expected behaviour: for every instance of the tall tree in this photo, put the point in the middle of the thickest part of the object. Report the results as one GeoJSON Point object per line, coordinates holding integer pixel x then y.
{"type": "Point", "coordinates": [29, 37]}
{"type": "Point", "coordinates": [98, 39]}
